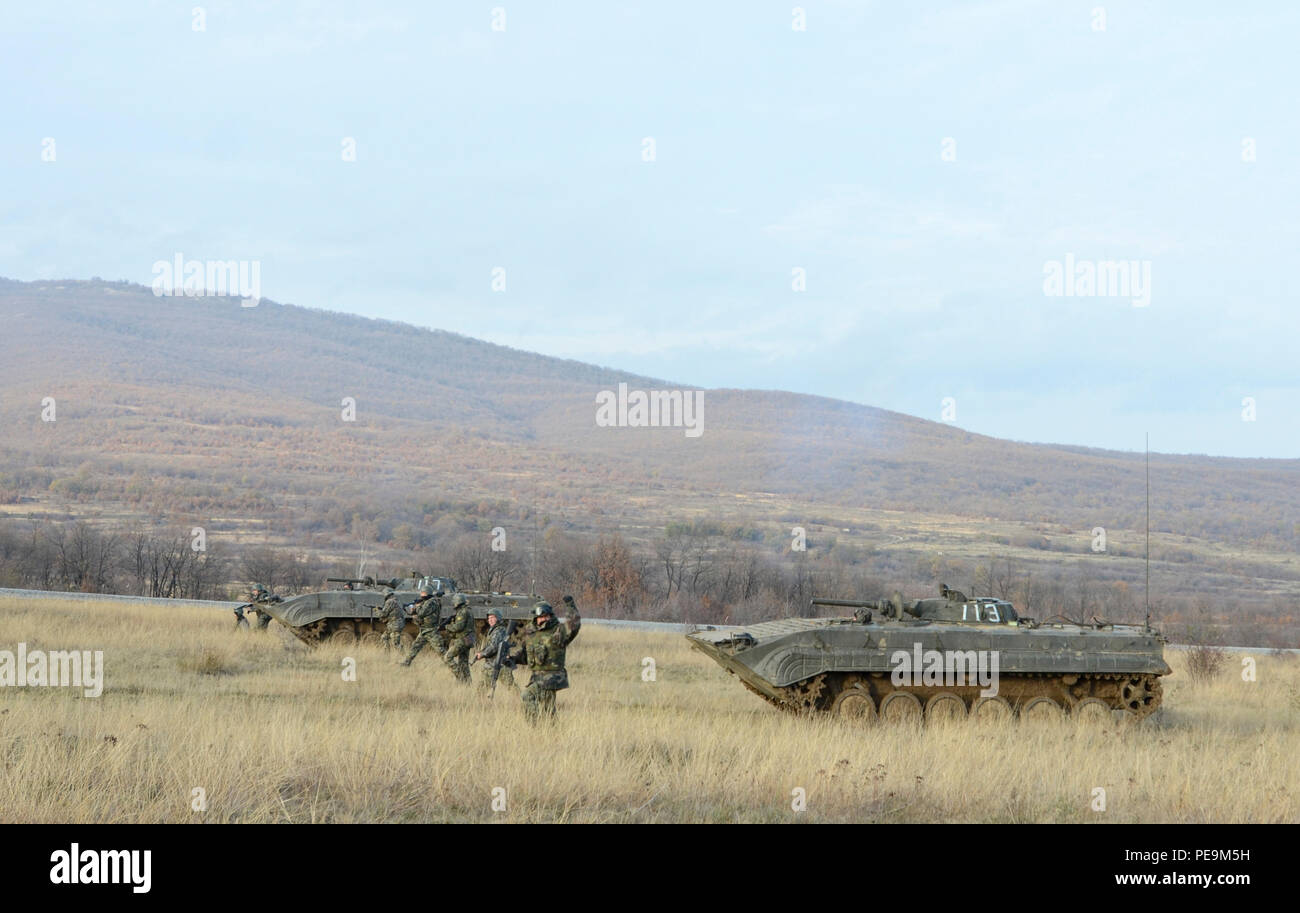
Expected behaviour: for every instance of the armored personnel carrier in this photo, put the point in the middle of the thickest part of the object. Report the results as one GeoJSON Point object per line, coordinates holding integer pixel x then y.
{"type": "Point", "coordinates": [347, 615]}
{"type": "Point", "coordinates": [944, 659]}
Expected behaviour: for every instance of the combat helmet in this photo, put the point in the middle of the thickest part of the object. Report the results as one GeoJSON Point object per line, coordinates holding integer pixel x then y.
{"type": "Point", "coordinates": [459, 600]}
{"type": "Point", "coordinates": [542, 608]}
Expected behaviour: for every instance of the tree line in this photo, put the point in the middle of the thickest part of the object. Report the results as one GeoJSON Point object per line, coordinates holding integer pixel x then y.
{"type": "Point", "coordinates": [699, 572]}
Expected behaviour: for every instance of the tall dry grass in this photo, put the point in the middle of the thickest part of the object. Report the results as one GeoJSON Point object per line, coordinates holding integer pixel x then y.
{"type": "Point", "coordinates": [271, 732]}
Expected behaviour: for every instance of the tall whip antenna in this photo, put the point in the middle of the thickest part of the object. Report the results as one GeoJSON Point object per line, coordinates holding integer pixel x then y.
{"type": "Point", "coordinates": [1147, 597]}
{"type": "Point", "coordinates": [532, 588]}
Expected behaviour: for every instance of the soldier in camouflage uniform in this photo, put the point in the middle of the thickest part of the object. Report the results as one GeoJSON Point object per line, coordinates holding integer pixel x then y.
{"type": "Point", "coordinates": [393, 616]}
{"type": "Point", "coordinates": [427, 611]}
{"type": "Point", "coordinates": [543, 649]}
{"type": "Point", "coordinates": [950, 594]}
{"type": "Point", "coordinates": [261, 596]}
{"type": "Point", "coordinates": [460, 639]}
{"type": "Point", "coordinates": [495, 640]}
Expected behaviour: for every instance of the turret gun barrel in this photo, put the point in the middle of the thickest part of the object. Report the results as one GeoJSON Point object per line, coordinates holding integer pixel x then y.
{"type": "Point", "coordinates": [364, 581]}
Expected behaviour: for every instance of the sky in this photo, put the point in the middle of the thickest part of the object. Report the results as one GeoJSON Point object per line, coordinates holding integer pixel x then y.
{"type": "Point", "coordinates": [653, 182]}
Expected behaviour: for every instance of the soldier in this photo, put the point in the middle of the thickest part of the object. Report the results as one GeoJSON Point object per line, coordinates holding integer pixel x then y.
{"type": "Point", "coordinates": [543, 649]}
{"type": "Point", "coordinates": [394, 619]}
{"type": "Point", "coordinates": [240, 620]}
{"type": "Point", "coordinates": [496, 639]}
{"type": "Point", "coordinates": [950, 594]}
{"type": "Point", "coordinates": [261, 596]}
{"type": "Point", "coordinates": [427, 611]}
{"type": "Point", "coordinates": [460, 639]}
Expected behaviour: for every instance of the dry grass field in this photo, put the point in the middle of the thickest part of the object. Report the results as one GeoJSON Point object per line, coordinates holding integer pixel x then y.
{"type": "Point", "coordinates": [270, 731]}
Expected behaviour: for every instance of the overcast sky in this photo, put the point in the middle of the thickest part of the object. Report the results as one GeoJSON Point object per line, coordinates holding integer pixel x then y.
{"type": "Point", "coordinates": [923, 163]}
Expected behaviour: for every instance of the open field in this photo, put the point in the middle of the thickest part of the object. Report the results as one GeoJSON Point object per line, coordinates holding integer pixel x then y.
{"type": "Point", "coordinates": [271, 732]}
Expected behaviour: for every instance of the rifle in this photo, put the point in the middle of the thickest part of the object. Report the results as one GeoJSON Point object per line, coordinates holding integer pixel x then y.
{"type": "Point", "coordinates": [496, 666]}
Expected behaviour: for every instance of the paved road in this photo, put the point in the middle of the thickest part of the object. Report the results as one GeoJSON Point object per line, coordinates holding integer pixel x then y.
{"type": "Point", "coordinates": [105, 597]}
{"type": "Point", "coordinates": [660, 626]}
{"type": "Point", "coordinates": [657, 626]}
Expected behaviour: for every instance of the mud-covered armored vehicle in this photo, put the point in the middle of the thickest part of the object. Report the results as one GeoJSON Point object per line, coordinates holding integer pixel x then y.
{"type": "Point", "coordinates": [347, 615]}
{"type": "Point", "coordinates": [945, 658]}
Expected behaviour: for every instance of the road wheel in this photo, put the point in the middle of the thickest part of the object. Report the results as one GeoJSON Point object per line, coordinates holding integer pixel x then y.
{"type": "Point", "coordinates": [992, 710]}
{"type": "Point", "coordinates": [855, 705]}
{"type": "Point", "coordinates": [900, 707]}
{"type": "Point", "coordinates": [1091, 711]}
{"type": "Point", "coordinates": [1041, 709]}
{"type": "Point", "coordinates": [945, 707]}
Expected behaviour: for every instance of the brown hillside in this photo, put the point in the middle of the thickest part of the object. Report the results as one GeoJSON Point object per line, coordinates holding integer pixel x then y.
{"type": "Point", "coordinates": [179, 407]}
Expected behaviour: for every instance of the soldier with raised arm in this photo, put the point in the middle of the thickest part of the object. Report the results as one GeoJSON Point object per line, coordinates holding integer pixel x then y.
{"type": "Point", "coordinates": [543, 648]}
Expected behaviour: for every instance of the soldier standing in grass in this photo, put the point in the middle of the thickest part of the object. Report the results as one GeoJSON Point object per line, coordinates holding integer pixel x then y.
{"type": "Point", "coordinates": [460, 639]}
{"type": "Point", "coordinates": [393, 616]}
{"type": "Point", "coordinates": [496, 640]}
{"type": "Point", "coordinates": [428, 609]}
{"type": "Point", "coordinates": [543, 649]}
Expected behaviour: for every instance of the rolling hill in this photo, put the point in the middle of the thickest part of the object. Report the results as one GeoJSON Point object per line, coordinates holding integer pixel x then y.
{"type": "Point", "coordinates": [199, 410]}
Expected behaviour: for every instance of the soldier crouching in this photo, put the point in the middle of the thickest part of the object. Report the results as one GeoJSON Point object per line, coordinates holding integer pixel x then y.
{"type": "Point", "coordinates": [543, 649]}
{"type": "Point", "coordinates": [261, 597]}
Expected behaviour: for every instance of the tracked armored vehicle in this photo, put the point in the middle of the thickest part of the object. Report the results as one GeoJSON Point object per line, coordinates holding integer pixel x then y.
{"type": "Point", "coordinates": [944, 659]}
{"type": "Point", "coordinates": [347, 615]}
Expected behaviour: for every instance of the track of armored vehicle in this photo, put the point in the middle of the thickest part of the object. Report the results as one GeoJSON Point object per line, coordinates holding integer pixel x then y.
{"type": "Point", "coordinates": [907, 663]}
{"type": "Point", "coordinates": [345, 616]}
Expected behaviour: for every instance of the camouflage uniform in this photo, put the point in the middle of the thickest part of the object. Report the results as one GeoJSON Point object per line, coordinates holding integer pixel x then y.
{"type": "Point", "coordinates": [543, 648]}
{"type": "Point", "coordinates": [496, 638]}
{"type": "Point", "coordinates": [262, 597]}
{"type": "Point", "coordinates": [427, 614]}
{"type": "Point", "coordinates": [950, 594]}
{"type": "Point", "coordinates": [240, 620]}
{"type": "Point", "coordinates": [393, 616]}
{"type": "Point", "coordinates": [263, 615]}
{"type": "Point", "coordinates": [460, 640]}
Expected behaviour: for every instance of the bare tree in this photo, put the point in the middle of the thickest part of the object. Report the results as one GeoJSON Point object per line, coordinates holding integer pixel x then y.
{"type": "Point", "coordinates": [477, 566]}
